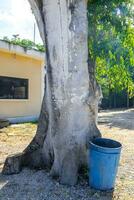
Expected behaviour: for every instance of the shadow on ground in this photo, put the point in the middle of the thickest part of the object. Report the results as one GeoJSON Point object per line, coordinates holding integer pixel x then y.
{"type": "Point", "coordinates": [122, 119]}
{"type": "Point", "coordinates": [37, 185]}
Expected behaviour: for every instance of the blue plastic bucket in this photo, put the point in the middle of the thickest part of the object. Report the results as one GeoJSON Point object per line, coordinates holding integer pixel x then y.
{"type": "Point", "coordinates": [104, 155]}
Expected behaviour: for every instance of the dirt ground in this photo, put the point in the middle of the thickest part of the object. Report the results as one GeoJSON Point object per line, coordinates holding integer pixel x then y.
{"type": "Point", "coordinates": [33, 185]}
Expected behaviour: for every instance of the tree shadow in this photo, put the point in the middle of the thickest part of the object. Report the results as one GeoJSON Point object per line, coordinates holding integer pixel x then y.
{"type": "Point", "coordinates": [123, 119]}
{"type": "Point", "coordinates": [38, 185]}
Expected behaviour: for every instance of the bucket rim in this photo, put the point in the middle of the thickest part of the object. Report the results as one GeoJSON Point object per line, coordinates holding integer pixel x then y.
{"type": "Point", "coordinates": [105, 148]}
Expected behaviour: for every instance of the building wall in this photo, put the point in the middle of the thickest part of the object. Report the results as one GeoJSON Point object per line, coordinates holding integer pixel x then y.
{"type": "Point", "coordinates": [13, 65]}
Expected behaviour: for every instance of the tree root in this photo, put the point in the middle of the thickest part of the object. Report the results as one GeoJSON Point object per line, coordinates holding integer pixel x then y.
{"type": "Point", "coordinates": [13, 164]}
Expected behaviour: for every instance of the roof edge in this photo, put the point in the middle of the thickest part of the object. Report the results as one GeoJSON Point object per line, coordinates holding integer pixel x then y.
{"type": "Point", "coordinates": [12, 48]}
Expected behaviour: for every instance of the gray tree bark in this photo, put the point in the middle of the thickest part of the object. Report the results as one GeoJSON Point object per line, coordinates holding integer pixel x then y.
{"type": "Point", "coordinates": [69, 110]}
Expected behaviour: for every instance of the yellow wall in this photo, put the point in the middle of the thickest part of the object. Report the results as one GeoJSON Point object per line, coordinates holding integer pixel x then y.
{"type": "Point", "coordinates": [13, 65]}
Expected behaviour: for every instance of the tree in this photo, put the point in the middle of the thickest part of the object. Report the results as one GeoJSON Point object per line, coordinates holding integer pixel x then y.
{"type": "Point", "coordinates": [69, 110]}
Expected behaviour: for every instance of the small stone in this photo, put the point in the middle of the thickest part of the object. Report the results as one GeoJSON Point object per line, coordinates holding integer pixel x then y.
{"type": "Point", "coordinates": [96, 195]}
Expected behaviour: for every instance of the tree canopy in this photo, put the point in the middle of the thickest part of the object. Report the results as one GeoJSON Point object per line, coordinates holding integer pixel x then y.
{"type": "Point", "coordinates": [111, 43]}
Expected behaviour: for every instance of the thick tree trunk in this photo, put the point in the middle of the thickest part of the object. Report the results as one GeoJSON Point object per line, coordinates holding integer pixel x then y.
{"type": "Point", "coordinates": [69, 109]}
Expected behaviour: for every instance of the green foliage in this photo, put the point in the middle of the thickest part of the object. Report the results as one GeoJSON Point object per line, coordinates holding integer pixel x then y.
{"type": "Point", "coordinates": [111, 43]}
{"type": "Point", "coordinates": [28, 44]}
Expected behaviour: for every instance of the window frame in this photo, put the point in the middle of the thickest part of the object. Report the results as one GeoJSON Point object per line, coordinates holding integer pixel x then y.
{"type": "Point", "coordinates": [26, 93]}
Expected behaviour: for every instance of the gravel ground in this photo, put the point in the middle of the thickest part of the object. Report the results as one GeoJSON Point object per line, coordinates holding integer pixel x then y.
{"type": "Point", "coordinates": [38, 185]}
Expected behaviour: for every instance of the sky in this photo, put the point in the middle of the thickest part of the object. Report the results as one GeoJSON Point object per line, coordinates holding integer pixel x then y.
{"type": "Point", "coordinates": [16, 18]}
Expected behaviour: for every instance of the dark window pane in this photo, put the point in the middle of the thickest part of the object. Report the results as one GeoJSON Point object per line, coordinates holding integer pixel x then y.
{"type": "Point", "coordinates": [13, 88]}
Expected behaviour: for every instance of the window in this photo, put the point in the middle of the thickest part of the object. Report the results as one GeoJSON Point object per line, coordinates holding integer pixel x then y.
{"type": "Point", "coordinates": [13, 88]}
